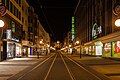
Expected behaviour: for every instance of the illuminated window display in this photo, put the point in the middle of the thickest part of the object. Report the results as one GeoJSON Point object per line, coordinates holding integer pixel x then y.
{"type": "Point", "coordinates": [107, 50]}
{"type": "Point", "coordinates": [116, 49]}
{"type": "Point", "coordinates": [13, 50]}
{"type": "Point", "coordinates": [86, 50]}
{"type": "Point", "coordinates": [18, 51]}
{"type": "Point", "coordinates": [10, 49]}
{"type": "Point", "coordinates": [98, 50]}
{"type": "Point", "coordinates": [91, 50]}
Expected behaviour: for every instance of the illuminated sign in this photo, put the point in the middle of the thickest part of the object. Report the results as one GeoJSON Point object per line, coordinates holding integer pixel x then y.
{"type": "Point", "coordinates": [73, 32]}
{"type": "Point", "coordinates": [2, 9]}
{"type": "Point", "coordinates": [8, 34]}
{"type": "Point", "coordinates": [14, 39]}
{"type": "Point", "coordinates": [13, 26]}
{"type": "Point", "coordinates": [116, 9]}
{"type": "Point", "coordinates": [96, 30]}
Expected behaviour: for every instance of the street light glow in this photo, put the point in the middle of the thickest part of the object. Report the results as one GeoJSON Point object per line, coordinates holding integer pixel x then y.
{"type": "Point", "coordinates": [117, 23]}
{"type": "Point", "coordinates": [41, 42]}
{"type": "Point", "coordinates": [2, 23]}
{"type": "Point", "coordinates": [77, 42]}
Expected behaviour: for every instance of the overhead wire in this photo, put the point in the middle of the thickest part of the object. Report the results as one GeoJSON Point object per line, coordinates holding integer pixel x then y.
{"type": "Point", "coordinates": [40, 5]}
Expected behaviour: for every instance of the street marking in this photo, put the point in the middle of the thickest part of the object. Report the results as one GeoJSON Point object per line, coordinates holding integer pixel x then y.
{"type": "Point", "coordinates": [83, 68]}
{"type": "Point", "coordinates": [50, 68]}
{"type": "Point", "coordinates": [35, 67]}
{"type": "Point", "coordinates": [67, 68]}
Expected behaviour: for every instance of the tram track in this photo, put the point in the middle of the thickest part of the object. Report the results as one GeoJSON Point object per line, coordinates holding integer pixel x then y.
{"type": "Point", "coordinates": [59, 67]}
{"type": "Point", "coordinates": [50, 68]}
{"type": "Point", "coordinates": [20, 77]}
{"type": "Point", "coordinates": [72, 65]}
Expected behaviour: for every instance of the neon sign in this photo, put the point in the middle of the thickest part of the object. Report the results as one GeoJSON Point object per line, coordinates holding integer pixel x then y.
{"type": "Point", "coordinates": [96, 30]}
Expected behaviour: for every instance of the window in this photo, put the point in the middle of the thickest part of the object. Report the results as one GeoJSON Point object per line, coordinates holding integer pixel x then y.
{"type": "Point", "coordinates": [7, 4]}
{"type": "Point", "coordinates": [22, 19]}
{"type": "Point", "coordinates": [11, 7]}
{"type": "Point", "coordinates": [19, 2]}
{"type": "Point", "coordinates": [13, 26]}
{"type": "Point", "coordinates": [3, 1]}
{"type": "Point", "coordinates": [14, 10]}
{"type": "Point", "coordinates": [19, 15]}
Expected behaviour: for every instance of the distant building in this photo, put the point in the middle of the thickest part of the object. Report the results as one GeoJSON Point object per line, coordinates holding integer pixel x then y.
{"type": "Point", "coordinates": [36, 32]}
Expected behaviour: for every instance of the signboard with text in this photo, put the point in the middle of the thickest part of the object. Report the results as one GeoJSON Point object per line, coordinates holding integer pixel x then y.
{"type": "Point", "coordinates": [2, 9]}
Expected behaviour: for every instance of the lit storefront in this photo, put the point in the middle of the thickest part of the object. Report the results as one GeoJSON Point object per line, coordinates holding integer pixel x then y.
{"type": "Point", "coordinates": [91, 50]}
{"type": "Point", "coordinates": [107, 50]}
{"type": "Point", "coordinates": [98, 48]}
{"type": "Point", "coordinates": [26, 48]}
{"type": "Point", "coordinates": [13, 49]}
{"type": "Point", "coordinates": [107, 46]}
{"type": "Point", "coordinates": [86, 50]}
{"type": "Point", "coordinates": [116, 49]}
{"type": "Point", "coordinates": [12, 42]}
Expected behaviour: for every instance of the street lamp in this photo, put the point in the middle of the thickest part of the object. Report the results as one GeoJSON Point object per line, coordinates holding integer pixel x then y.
{"type": "Point", "coordinates": [41, 42]}
{"type": "Point", "coordinates": [2, 23]}
{"type": "Point", "coordinates": [77, 42]}
{"type": "Point", "coordinates": [116, 11]}
{"type": "Point", "coordinates": [117, 23]}
{"type": "Point", "coordinates": [70, 45]}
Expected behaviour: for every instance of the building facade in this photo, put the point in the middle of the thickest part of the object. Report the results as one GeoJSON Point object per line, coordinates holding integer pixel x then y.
{"type": "Point", "coordinates": [12, 34]}
{"type": "Point", "coordinates": [21, 30]}
{"type": "Point", "coordinates": [94, 25]}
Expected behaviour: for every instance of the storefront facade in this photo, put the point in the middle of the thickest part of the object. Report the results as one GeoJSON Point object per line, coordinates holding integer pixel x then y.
{"type": "Point", "coordinates": [27, 49]}
{"type": "Point", "coordinates": [13, 49]}
{"type": "Point", "coordinates": [107, 46]}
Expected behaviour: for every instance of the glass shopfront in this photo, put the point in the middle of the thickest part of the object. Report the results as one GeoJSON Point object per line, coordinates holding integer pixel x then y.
{"type": "Point", "coordinates": [107, 50]}
{"type": "Point", "coordinates": [91, 50]}
{"type": "Point", "coordinates": [116, 49]}
{"type": "Point", "coordinates": [10, 49]}
{"type": "Point", "coordinates": [13, 49]}
{"type": "Point", "coordinates": [18, 50]}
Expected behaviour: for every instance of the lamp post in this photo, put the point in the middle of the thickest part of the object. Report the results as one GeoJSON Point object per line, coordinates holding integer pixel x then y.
{"type": "Point", "coordinates": [2, 24]}
{"type": "Point", "coordinates": [41, 44]}
{"type": "Point", "coordinates": [78, 43]}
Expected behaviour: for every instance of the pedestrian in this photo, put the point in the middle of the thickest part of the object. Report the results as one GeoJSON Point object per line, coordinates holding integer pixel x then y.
{"type": "Point", "coordinates": [37, 54]}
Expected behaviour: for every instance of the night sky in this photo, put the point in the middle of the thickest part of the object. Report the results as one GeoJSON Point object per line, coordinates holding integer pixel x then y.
{"type": "Point", "coordinates": [55, 16]}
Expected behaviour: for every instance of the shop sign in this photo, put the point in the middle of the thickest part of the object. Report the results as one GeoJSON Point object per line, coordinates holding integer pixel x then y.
{"type": "Point", "coordinates": [27, 43]}
{"type": "Point", "coordinates": [14, 39]}
{"type": "Point", "coordinates": [2, 9]}
{"type": "Point", "coordinates": [116, 9]}
{"type": "Point", "coordinates": [96, 30]}
{"type": "Point", "coordinates": [8, 34]}
{"type": "Point", "coordinates": [98, 43]}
